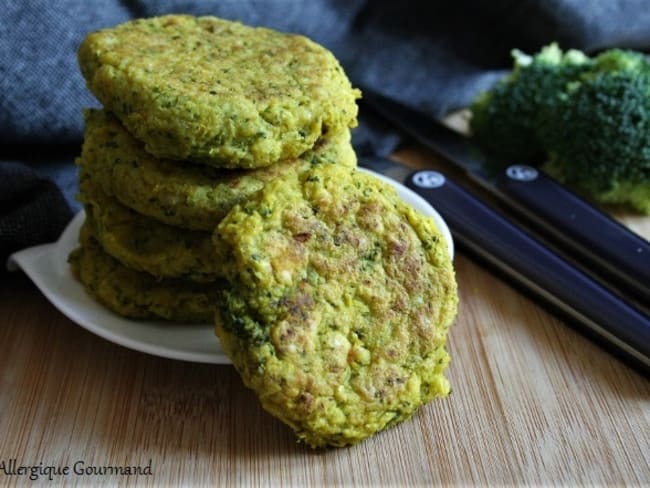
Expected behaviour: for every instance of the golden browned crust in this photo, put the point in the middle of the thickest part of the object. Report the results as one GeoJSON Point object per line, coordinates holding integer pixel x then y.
{"type": "Point", "coordinates": [339, 302]}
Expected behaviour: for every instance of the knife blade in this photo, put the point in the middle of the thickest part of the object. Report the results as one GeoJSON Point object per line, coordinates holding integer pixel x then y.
{"type": "Point", "coordinates": [608, 248]}
{"type": "Point", "coordinates": [486, 234]}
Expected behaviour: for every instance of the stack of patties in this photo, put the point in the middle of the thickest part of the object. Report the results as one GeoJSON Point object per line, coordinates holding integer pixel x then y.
{"type": "Point", "coordinates": [220, 176]}
{"type": "Point", "coordinates": [199, 114]}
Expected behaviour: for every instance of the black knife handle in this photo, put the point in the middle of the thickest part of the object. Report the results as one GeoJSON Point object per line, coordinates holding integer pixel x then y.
{"type": "Point", "coordinates": [604, 242]}
{"type": "Point", "coordinates": [481, 230]}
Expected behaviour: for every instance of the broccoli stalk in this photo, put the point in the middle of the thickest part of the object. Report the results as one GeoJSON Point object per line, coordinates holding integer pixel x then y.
{"type": "Point", "coordinates": [588, 120]}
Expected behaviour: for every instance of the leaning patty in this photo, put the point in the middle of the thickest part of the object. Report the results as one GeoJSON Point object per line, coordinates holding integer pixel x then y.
{"type": "Point", "coordinates": [190, 196]}
{"type": "Point", "coordinates": [217, 92]}
{"type": "Point", "coordinates": [339, 302]}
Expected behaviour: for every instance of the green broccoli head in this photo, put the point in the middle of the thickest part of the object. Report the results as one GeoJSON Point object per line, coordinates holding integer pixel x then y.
{"type": "Point", "coordinates": [598, 141]}
{"type": "Point", "coordinates": [588, 119]}
{"type": "Point", "coordinates": [505, 118]}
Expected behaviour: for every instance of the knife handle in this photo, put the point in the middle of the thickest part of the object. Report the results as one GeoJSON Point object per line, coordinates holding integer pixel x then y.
{"type": "Point", "coordinates": [530, 264]}
{"type": "Point", "coordinates": [605, 243]}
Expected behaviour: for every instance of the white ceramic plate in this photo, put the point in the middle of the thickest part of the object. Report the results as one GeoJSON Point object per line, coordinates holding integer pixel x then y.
{"type": "Point", "coordinates": [47, 266]}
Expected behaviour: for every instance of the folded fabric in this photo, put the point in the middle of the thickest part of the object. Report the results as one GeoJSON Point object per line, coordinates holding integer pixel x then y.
{"type": "Point", "coordinates": [33, 208]}
{"type": "Point", "coordinates": [433, 55]}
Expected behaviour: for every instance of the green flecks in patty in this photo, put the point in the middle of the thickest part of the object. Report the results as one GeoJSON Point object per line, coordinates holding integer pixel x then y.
{"type": "Point", "coordinates": [144, 244]}
{"type": "Point", "coordinates": [139, 295]}
{"type": "Point", "coordinates": [188, 196]}
{"type": "Point", "coordinates": [201, 89]}
{"type": "Point", "coordinates": [346, 307]}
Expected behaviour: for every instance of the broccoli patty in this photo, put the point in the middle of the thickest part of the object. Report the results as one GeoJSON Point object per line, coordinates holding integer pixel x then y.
{"type": "Point", "coordinates": [339, 302]}
{"type": "Point", "coordinates": [138, 295]}
{"type": "Point", "coordinates": [144, 244]}
{"type": "Point", "coordinates": [190, 196]}
{"type": "Point", "coordinates": [218, 92]}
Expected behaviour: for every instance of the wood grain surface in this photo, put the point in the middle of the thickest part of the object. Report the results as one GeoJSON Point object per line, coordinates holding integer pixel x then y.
{"type": "Point", "coordinates": [533, 402]}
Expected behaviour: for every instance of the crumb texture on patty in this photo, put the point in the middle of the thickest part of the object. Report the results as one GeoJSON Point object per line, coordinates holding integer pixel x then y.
{"type": "Point", "coordinates": [144, 244]}
{"type": "Point", "coordinates": [183, 195]}
{"type": "Point", "coordinates": [138, 295]}
{"type": "Point", "coordinates": [217, 92]}
{"type": "Point", "coordinates": [339, 302]}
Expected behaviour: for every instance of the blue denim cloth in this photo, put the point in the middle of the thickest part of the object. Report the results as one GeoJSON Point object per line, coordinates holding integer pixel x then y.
{"type": "Point", "coordinates": [433, 55]}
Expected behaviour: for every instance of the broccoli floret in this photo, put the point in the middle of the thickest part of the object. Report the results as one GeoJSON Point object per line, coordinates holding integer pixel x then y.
{"type": "Point", "coordinates": [599, 140]}
{"type": "Point", "coordinates": [505, 119]}
{"type": "Point", "coordinates": [591, 125]}
{"type": "Point", "coordinates": [614, 60]}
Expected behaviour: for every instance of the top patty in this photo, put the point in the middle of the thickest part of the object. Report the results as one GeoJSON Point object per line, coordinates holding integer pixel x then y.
{"type": "Point", "coordinates": [184, 195]}
{"type": "Point", "coordinates": [217, 92]}
{"type": "Point", "coordinates": [339, 302]}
